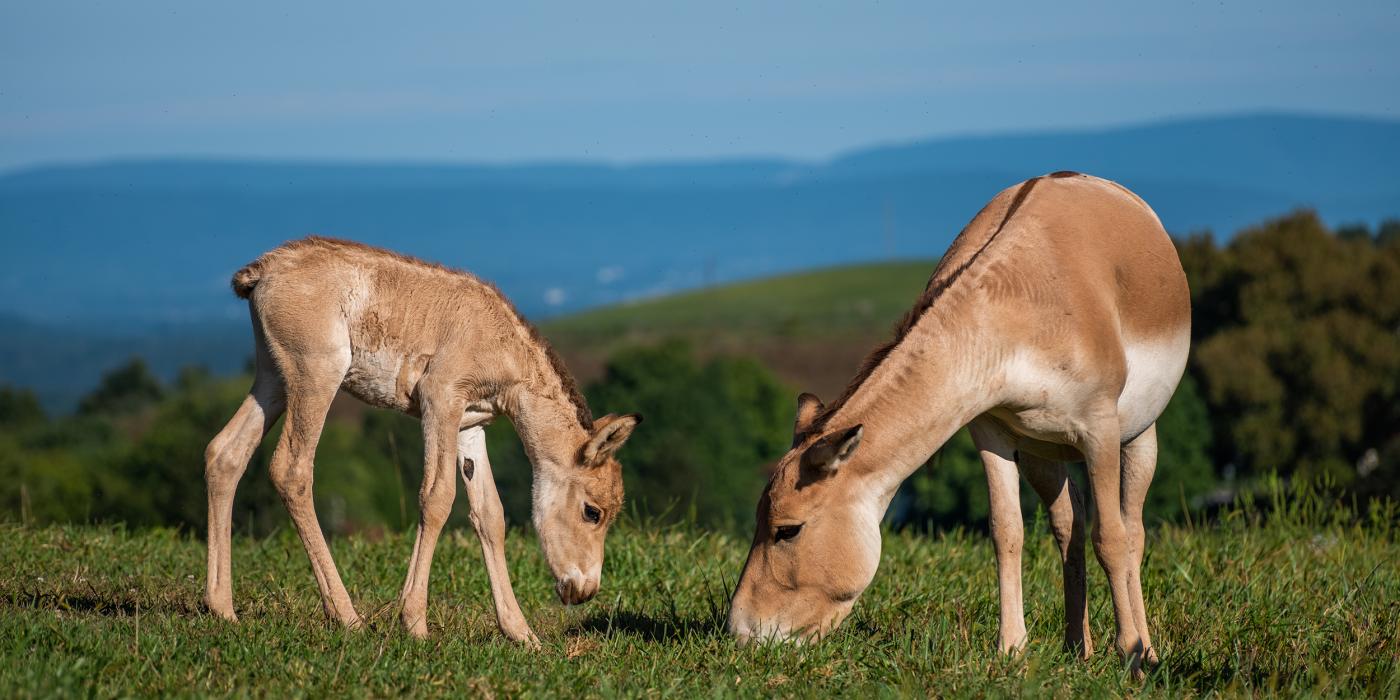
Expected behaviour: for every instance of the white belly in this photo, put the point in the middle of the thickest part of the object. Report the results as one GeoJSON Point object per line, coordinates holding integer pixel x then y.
{"type": "Point", "coordinates": [1154, 370]}
{"type": "Point", "coordinates": [1046, 406]}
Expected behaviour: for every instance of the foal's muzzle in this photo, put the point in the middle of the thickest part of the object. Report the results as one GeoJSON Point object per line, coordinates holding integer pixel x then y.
{"type": "Point", "coordinates": [575, 588]}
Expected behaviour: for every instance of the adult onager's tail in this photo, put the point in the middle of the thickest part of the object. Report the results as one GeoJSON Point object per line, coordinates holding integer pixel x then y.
{"type": "Point", "coordinates": [246, 279]}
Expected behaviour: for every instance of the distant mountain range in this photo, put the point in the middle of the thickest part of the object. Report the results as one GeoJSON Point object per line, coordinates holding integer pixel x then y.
{"type": "Point", "coordinates": [144, 249]}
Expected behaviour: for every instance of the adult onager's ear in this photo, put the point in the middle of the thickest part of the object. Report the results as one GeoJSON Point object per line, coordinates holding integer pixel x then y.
{"type": "Point", "coordinates": [608, 434]}
{"type": "Point", "coordinates": [829, 452]}
{"type": "Point", "coordinates": [808, 406]}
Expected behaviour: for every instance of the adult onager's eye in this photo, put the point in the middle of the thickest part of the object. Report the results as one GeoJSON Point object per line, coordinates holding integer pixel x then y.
{"type": "Point", "coordinates": [592, 515]}
{"type": "Point", "coordinates": [786, 532]}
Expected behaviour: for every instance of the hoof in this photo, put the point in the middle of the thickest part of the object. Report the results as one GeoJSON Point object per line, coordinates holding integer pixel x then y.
{"type": "Point", "coordinates": [223, 612]}
{"type": "Point", "coordinates": [416, 628]}
{"type": "Point", "coordinates": [525, 638]}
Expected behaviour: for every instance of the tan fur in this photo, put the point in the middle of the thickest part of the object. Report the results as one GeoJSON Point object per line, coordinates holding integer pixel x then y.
{"type": "Point", "coordinates": [432, 342]}
{"type": "Point", "coordinates": [1057, 324]}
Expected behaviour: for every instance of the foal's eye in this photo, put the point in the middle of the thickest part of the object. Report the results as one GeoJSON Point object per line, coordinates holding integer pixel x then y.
{"type": "Point", "coordinates": [786, 532]}
{"type": "Point", "coordinates": [592, 515]}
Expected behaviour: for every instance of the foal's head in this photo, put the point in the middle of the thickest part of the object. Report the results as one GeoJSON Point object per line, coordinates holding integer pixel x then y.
{"type": "Point", "coordinates": [575, 505]}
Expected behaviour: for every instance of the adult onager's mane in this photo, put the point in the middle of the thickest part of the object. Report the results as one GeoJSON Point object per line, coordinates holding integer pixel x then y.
{"type": "Point", "coordinates": [938, 283]}
{"type": "Point", "coordinates": [246, 279]}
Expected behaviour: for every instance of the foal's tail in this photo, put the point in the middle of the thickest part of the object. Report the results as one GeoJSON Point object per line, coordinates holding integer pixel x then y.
{"type": "Point", "coordinates": [247, 278]}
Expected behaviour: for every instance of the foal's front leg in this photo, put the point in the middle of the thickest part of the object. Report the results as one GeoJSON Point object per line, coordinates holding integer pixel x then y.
{"type": "Point", "coordinates": [489, 520]}
{"type": "Point", "coordinates": [434, 505]}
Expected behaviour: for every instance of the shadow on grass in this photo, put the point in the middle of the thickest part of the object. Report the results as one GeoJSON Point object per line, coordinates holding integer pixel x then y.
{"type": "Point", "coordinates": [648, 627]}
{"type": "Point", "coordinates": [96, 604]}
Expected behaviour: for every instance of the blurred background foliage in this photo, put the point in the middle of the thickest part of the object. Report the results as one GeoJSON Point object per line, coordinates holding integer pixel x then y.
{"type": "Point", "coordinates": [1294, 372]}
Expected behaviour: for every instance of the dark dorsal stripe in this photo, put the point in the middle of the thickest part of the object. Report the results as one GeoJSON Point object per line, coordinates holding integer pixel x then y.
{"type": "Point", "coordinates": [911, 318]}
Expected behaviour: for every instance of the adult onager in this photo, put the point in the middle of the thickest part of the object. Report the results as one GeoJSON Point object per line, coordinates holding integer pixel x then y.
{"type": "Point", "coordinates": [1057, 325]}
{"type": "Point", "coordinates": [435, 343]}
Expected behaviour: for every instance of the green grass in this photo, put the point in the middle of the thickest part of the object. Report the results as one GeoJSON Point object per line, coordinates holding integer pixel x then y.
{"type": "Point", "coordinates": [856, 298]}
{"type": "Point", "coordinates": [1236, 608]}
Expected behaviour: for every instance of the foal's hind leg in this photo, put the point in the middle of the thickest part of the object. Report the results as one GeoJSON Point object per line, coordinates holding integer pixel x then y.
{"type": "Point", "coordinates": [225, 460]}
{"type": "Point", "coordinates": [1051, 481]}
{"type": "Point", "coordinates": [310, 388]}
{"type": "Point", "coordinates": [1139, 464]}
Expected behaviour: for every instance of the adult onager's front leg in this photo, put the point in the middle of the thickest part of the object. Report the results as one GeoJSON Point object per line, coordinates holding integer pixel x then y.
{"type": "Point", "coordinates": [1008, 530]}
{"type": "Point", "coordinates": [489, 520]}
{"type": "Point", "coordinates": [434, 505]}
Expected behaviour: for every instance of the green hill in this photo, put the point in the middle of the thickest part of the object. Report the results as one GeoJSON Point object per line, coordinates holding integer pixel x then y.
{"type": "Point", "coordinates": [811, 327]}
{"type": "Point", "coordinates": [814, 303]}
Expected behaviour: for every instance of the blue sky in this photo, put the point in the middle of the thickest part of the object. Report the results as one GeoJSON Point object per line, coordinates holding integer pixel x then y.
{"type": "Point", "coordinates": [652, 80]}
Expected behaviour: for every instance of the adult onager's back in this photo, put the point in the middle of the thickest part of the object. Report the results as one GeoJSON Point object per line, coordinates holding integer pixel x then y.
{"type": "Point", "coordinates": [435, 343]}
{"type": "Point", "coordinates": [1057, 325]}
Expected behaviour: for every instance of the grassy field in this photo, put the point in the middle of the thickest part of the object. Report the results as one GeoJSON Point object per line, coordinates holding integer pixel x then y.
{"type": "Point", "coordinates": [1297, 605]}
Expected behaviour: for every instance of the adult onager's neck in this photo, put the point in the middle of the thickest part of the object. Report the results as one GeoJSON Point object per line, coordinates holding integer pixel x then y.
{"type": "Point", "coordinates": [914, 394]}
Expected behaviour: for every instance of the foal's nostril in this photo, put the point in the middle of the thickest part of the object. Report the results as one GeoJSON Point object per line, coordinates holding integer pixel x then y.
{"type": "Point", "coordinates": [574, 590]}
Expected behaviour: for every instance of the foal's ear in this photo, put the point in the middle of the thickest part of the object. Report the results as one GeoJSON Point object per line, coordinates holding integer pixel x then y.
{"type": "Point", "coordinates": [609, 433]}
{"type": "Point", "coordinates": [829, 452]}
{"type": "Point", "coordinates": [808, 406]}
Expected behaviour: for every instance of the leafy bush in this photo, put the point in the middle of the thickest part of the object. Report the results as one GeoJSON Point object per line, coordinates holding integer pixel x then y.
{"type": "Point", "coordinates": [1296, 345]}
{"type": "Point", "coordinates": [710, 429]}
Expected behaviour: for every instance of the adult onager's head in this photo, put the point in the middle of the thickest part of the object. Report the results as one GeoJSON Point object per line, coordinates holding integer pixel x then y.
{"type": "Point", "coordinates": [1056, 328]}
{"type": "Point", "coordinates": [817, 540]}
{"type": "Point", "coordinates": [572, 514]}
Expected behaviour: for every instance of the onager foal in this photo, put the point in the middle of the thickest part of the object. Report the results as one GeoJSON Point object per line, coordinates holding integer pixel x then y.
{"type": "Point", "coordinates": [434, 343]}
{"type": "Point", "coordinates": [1057, 324]}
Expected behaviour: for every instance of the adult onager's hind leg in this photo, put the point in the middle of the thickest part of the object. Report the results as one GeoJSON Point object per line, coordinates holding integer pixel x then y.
{"type": "Point", "coordinates": [1102, 450]}
{"type": "Point", "coordinates": [310, 390]}
{"type": "Point", "coordinates": [1008, 529]}
{"type": "Point", "coordinates": [1051, 482]}
{"type": "Point", "coordinates": [225, 460]}
{"type": "Point", "coordinates": [440, 446]}
{"type": "Point", "coordinates": [489, 520]}
{"type": "Point", "coordinates": [1139, 464]}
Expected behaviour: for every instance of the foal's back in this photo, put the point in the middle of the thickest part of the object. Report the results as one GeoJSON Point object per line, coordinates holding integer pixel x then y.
{"type": "Point", "coordinates": [378, 316]}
